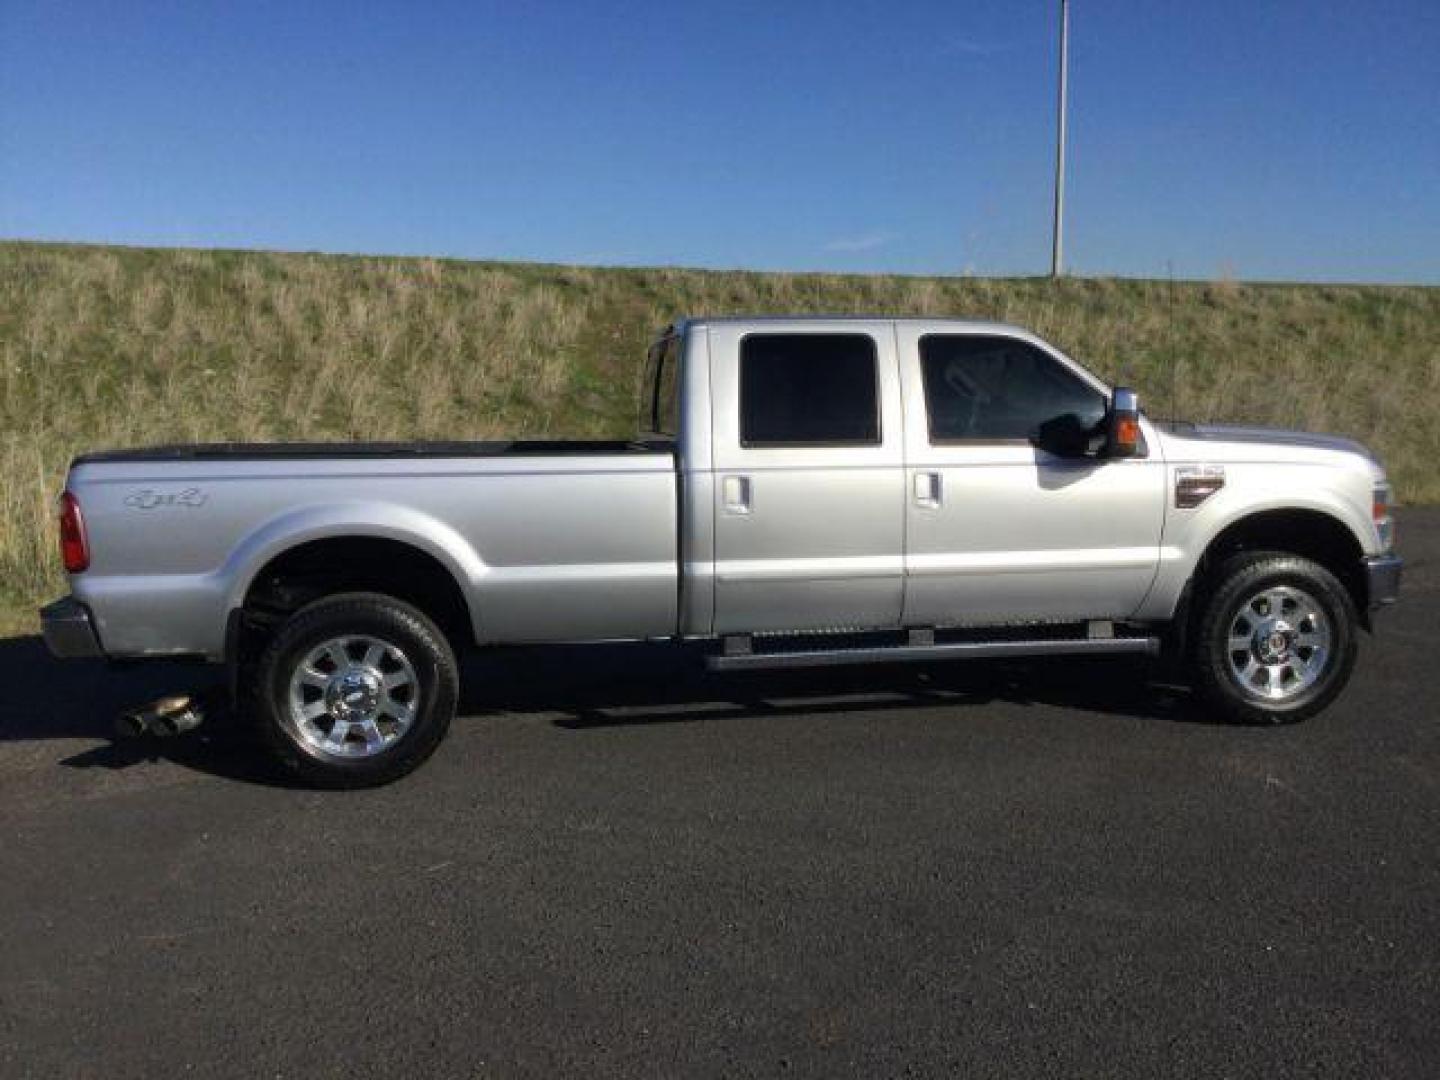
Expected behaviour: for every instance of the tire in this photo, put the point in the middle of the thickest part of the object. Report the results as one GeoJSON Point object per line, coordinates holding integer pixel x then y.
{"type": "Point", "coordinates": [1275, 640]}
{"type": "Point", "coordinates": [355, 690]}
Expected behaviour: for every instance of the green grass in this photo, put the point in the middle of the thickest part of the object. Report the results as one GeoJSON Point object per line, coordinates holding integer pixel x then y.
{"type": "Point", "coordinates": [103, 347]}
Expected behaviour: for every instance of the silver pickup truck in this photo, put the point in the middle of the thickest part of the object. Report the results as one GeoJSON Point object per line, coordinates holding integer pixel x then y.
{"type": "Point", "coordinates": [804, 491]}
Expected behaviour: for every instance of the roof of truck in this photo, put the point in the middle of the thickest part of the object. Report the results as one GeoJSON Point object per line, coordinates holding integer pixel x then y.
{"type": "Point", "coordinates": [973, 325]}
{"type": "Point", "coordinates": [821, 316]}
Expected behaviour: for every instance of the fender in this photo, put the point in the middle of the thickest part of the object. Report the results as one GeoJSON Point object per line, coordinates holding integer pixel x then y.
{"type": "Point", "coordinates": [1188, 534]}
{"type": "Point", "coordinates": [358, 519]}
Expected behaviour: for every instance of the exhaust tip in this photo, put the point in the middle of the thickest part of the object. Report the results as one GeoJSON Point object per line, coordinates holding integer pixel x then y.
{"type": "Point", "coordinates": [131, 724]}
{"type": "Point", "coordinates": [164, 718]}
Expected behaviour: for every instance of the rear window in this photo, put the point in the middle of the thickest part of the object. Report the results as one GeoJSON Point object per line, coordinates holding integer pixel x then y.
{"type": "Point", "coordinates": [660, 414]}
{"type": "Point", "coordinates": [809, 390]}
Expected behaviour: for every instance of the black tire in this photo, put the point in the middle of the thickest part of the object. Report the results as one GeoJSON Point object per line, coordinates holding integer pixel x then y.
{"type": "Point", "coordinates": [1217, 669]}
{"type": "Point", "coordinates": [414, 640]}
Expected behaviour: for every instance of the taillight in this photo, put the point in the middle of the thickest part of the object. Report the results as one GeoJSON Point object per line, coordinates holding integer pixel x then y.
{"type": "Point", "coordinates": [1380, 513]}
{"type": "Point", "coordinates": [74, 544]}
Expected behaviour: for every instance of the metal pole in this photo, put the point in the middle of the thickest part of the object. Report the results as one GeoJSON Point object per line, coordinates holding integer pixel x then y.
{"type": "Point", "coordinates": [1057, 248]}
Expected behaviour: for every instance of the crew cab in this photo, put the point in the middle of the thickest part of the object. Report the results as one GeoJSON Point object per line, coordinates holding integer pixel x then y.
{"type": "Point", "coordinates": [804, 491]}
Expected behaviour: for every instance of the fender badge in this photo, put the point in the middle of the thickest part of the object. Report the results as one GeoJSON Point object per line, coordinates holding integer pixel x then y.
{"type": "Point", "coordinates": [1196, 483]}
{"type": "Point", "coordinates": [150, 499]}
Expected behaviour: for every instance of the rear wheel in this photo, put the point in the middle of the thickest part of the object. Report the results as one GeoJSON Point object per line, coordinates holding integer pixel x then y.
{"type": "Point", "coordinates": [356, 690]}
{"type": "Point", "coordinates": [1276, 640]}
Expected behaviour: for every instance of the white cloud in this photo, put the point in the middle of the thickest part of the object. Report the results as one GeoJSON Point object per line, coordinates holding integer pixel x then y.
{"type": "Point", "coordinates": [867, 242]}
{"type": "Point", "coordinates": [962, 46]}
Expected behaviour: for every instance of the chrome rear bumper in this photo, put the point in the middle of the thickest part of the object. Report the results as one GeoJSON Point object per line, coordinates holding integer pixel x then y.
{"type": "Point", "coordinates": [1382, 579]}
{"type": "Point", "coordinates": [68, 631]}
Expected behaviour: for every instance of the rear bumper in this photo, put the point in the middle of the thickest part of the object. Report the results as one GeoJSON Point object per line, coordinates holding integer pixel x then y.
{"type": "Point", "coordinates": [68, 631]}
{"type": "Point", "coordinates": [1382, 579]}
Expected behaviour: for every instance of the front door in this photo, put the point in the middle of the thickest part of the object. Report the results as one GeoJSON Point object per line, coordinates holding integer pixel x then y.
{"type": "Point", "coordinates": [998, 530]}
{"type": "Point", "coordinates": [809, 477]}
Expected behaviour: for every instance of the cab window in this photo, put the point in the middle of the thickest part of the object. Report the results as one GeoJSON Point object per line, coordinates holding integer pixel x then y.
{"type": "Point", "coordinates": [662, 381]}
{"type": "Point", "coordinates": [996, 389]}
{"type": "Point", "coordinates": [809, 390]}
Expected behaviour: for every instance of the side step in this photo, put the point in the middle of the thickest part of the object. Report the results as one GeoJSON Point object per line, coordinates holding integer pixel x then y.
{"type": "Point", "coordinates": [735, 658]}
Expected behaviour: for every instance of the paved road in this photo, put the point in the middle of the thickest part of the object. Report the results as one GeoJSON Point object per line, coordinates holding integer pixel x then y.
{"type": "Point", "coordinates": [617, 867]}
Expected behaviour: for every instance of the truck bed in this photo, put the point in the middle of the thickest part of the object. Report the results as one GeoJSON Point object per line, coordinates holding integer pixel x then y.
{"type": "Point", "coordinates": [547, 540]}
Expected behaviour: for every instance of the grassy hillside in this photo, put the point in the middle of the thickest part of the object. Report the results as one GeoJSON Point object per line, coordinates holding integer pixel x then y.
{"type": "Point", "coordinates": [106, 347]}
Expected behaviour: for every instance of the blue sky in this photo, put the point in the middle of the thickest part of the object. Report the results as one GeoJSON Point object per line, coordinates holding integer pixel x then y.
{"type": "Point", "coordinates": [1262, 140]}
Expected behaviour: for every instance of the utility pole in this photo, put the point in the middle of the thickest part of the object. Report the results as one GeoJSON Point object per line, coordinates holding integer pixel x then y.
{"type": "Point", "coordinates": [1057, 247]}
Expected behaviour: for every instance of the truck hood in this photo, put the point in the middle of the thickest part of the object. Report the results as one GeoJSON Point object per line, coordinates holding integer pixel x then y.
{"type": "Point", "coordinates": [1221, 443]}
{"type": "Point", "coordinates": [1239, 433]}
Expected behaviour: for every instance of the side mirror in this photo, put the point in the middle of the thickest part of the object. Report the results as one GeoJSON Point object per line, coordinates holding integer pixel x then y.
{"type": "Point", "coordinates": [1122, 424]}
{"type": "Point", "coordinates": [1064, 436]}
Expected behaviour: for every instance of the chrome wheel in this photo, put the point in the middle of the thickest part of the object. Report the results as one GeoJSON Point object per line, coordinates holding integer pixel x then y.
{"type": "Point", "coordinates": [352, 697]}
{"type": "Point", "coordinates": [1279, 643]}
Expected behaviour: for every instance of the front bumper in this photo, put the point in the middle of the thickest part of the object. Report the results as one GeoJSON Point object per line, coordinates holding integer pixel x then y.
{"type": "Point", "coordinates": [67, 629]}
{"type": "Point", "coordinates": [1382, 579]}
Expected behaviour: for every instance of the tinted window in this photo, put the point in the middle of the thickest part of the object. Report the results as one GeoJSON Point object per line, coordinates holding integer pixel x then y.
{"type": "Point", "coordinates": [995, 388]}
{"type": "Point", "coordinates": [808, 389]}
{"type": "Point", "coordinates": [667, 389]}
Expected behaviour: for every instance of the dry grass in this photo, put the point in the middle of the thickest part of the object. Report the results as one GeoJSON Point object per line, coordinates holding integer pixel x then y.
{"type": "Point", "coordinates": [103, 347]}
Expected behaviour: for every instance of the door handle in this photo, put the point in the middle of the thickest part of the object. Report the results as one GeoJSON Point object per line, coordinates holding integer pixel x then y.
{"type": "Point", "coordinates": [735, 493]}
{"type": "Point", "coordinates": [928, 492]}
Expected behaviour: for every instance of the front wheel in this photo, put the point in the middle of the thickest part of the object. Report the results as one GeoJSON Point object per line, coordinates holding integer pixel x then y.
{"type": "Point", "coordinates": [1276, 640]}
{"type": "Point", "coordinates": [356, 690]}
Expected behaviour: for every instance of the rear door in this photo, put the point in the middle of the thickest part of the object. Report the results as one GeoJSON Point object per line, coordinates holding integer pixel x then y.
{"type": "Point", "coordinates": [809, 476]}
{"type": "Point", "coordinates": [998, 530]}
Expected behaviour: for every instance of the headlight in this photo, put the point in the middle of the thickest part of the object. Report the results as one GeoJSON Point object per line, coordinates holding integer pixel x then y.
{"type": "Point", "coordinates": [1380, 513]}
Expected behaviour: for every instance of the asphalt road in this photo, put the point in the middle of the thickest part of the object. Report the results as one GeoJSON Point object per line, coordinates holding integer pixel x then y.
{"type": "Point", "coordinates": [616, 866]}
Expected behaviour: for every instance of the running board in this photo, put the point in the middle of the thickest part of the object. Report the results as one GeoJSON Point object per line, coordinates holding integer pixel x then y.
{"type": "Point", "coordinates": [952, 650]}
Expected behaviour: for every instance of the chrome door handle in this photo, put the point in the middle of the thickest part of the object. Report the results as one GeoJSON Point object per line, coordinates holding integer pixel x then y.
{"type": "Point", "coordinates": [735, 494]}
{"type": "Point", "coordinates": [928, 490]}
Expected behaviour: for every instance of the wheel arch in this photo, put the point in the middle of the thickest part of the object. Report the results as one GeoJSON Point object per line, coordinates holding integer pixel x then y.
{"type": "Point", "coordinates": [1310, 533]}
{"type": "Point", "coordinates": [300, 557]}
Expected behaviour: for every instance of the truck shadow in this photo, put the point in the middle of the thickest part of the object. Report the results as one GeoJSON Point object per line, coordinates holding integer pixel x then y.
{"type": "Point", "coordinates": [608, 686]}
{"type": "Point", "coordinates": [79, 699]}
{"type": "Point", "coordinates": [579, 687]}
{"type": "Point", "coordinates": [51, 700]}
